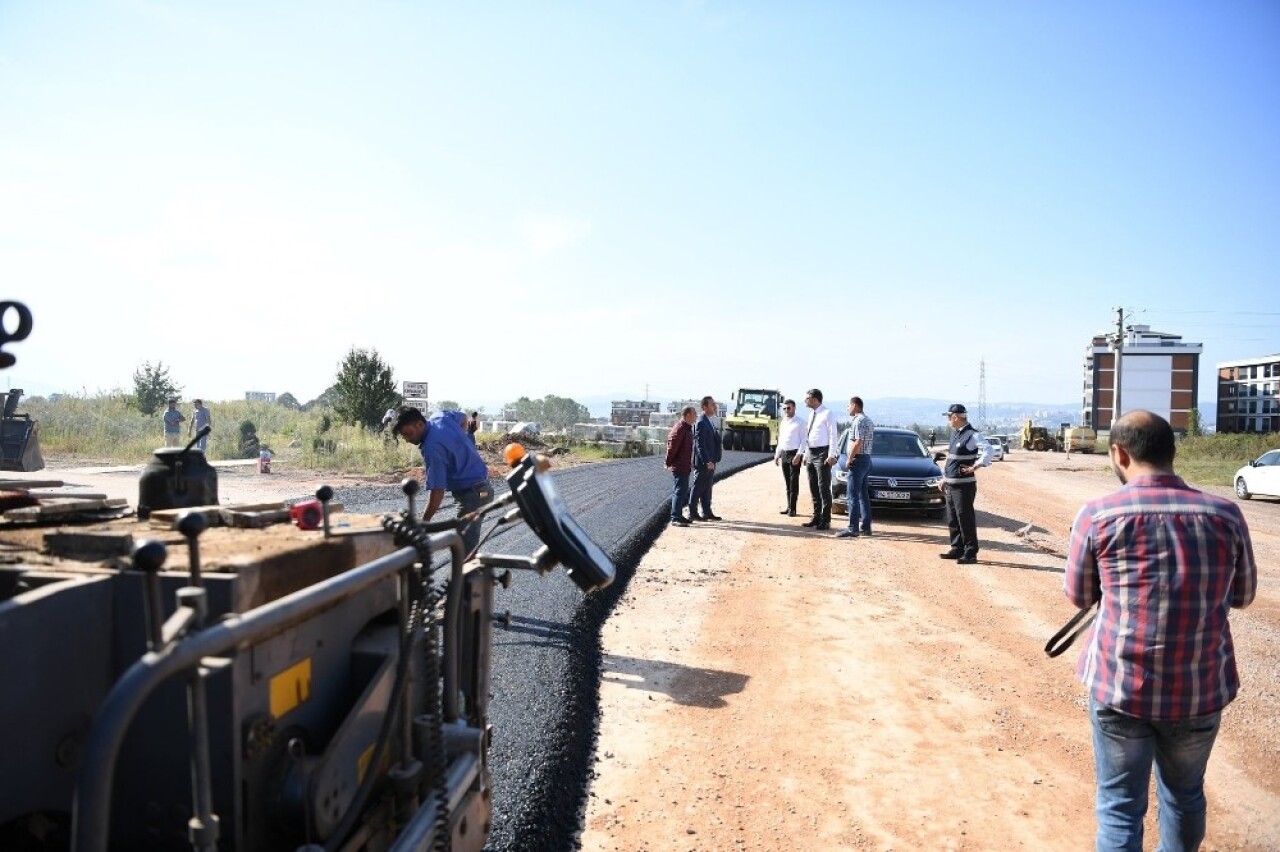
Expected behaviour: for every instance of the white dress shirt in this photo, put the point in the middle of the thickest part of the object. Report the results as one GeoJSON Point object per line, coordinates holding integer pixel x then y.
{"type": "Point", "coordinates": [820, 431]}
{"type": "Point", "coordinates": [790, 434]}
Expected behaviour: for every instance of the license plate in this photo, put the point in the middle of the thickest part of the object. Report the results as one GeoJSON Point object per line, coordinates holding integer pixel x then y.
{"type": "Point", "coordinates": [893, 495]}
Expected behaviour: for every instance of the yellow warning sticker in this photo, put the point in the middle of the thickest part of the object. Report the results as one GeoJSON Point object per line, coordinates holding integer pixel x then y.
{"type": "Point", "coordinates": [290, 688]}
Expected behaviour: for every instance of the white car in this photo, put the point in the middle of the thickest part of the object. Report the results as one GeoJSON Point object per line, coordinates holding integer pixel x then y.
{"type": "Point", "coordinates": [1260, 476]}
{"type": "Point", "coordinates": [997, 449]}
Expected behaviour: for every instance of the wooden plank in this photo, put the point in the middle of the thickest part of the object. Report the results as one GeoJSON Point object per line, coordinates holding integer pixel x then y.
{"type": "Point", "coordinates": [88, 545]}
{"type": "Point", "coordinates": [65, 495]}
{"type": "Point", "coordinates": [255, 520]}
{"type": "Point", "coordinates": [169, 517]}
{"type": "Point", "coordinates": [52, 508]}
{"type": "Point", "coordinates": [28, 484]}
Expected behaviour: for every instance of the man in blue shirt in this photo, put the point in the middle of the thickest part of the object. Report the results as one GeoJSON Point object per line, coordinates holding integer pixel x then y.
{"type": "Point", "coordinates": [449, 460]}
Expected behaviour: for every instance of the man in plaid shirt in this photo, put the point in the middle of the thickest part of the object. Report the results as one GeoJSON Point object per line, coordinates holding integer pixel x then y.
{"type": "Point", "coordinates": [1165, 563]}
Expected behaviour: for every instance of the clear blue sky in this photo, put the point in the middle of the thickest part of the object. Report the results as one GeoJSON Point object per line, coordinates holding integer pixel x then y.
{"type": "Point", "coordinates": [590, 198]}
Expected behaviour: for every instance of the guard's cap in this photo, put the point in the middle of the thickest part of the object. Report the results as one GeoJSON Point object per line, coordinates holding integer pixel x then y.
{"type": "Point", "coordinates": [957, 409]}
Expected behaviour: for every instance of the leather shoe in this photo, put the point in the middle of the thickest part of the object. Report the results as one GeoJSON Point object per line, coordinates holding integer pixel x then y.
{"type": "Point", "coordinates": [791, 513]}
{"type": "Point", "coordinates": [784, 511]}
{"type": "Point", "coordinates": [680, 522]}
{"type": "Point", "coordinates": [812, 522]}
{"type": "Point", "coordinates": [951, 554]}
{"type": "Point", "coordinates": [712, 518]}
{"type": "Point", "coordinates": [847, 533]}
{"type": "Point", "coordinates": [968, 559]}
{"type": "Point", "coordinates": [823, 525]}
{"type": "Point", "coordinates": [693, 517]}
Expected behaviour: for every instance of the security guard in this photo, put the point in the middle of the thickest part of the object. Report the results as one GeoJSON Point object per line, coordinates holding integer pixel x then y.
{"type": "Point", "coordinates": [967, 452]}
{"type": "Point", "coordinates": [449, 460]}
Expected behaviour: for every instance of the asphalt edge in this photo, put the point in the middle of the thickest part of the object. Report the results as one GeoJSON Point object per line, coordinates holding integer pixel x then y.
{"type": "Point", "coordinates": [554, 819]}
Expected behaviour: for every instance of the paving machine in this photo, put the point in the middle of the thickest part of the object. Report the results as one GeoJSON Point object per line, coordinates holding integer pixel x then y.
{"type": "Point", "coordinates": [753, 423]}
{"type": "Point", "coordinates": [176, 684]}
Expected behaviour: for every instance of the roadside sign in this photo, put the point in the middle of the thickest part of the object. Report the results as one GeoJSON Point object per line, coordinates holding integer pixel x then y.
{"type": "Point", "coordinates": [415, 390]}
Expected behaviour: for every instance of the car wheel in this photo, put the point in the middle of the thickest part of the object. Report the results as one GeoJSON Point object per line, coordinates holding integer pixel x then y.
{"type": "Point", "coordinates": [727, 440]}
{"type": "Point", "coordinates": [1242, 489]}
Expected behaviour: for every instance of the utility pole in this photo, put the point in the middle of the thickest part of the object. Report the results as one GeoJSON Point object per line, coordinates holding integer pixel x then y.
{"type": "Point", "coordinates": [982, 395]}
{"type": "Point", "coordinates": [1117, 346]}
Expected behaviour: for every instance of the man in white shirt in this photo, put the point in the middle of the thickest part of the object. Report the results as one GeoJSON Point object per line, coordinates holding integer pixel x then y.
{"type": "Point", "coordinates": [818, 450]}
{"type": "Point", "coordinates": [790, 438]}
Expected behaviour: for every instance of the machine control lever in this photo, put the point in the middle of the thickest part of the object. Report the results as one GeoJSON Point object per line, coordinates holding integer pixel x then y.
{"type": "Point", "coordinates": [149, 557]}
{"type": "Point", "coordinates": [191, 524]}
{"type": "Point", "coordinates": [410, 487]}
{"type": "Point", "coordinates": [324, 494]}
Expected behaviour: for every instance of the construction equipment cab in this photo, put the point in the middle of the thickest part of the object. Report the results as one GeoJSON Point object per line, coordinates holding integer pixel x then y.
{"type": "Point", "coordinates": [753, 424]}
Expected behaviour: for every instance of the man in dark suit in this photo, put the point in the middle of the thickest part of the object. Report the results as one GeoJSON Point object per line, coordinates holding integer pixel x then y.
{"type": "Point", "coordinates": [706, 454]}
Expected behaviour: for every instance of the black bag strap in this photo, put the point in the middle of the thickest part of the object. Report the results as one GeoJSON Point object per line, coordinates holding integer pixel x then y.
{"type": "Point", "coordinates": [1080, 621]}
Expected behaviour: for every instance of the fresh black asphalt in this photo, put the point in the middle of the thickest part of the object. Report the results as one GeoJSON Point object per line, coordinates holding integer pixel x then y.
{"type": "Point", "coordinates": [546, 668]}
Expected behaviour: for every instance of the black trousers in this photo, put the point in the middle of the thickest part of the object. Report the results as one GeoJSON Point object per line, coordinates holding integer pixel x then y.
{"type": "Point", "coordinates": [791, 478]}
{"type": "Point", "coordinates": [820, 483]}
{"type": "Point", "coordinates": [960, 519]}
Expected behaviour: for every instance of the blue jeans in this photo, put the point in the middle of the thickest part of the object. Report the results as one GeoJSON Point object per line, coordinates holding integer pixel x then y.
{"type": "Point", "coordinates": [857, 495]}
{"type": "Point", "coordinates": [679, 494]}
{"type": "Point", "coordinates": [1123, 750]}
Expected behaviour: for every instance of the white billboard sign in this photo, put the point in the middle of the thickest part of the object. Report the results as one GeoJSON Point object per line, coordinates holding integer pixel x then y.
{"type": "Point", "coordinates": [415, 390]}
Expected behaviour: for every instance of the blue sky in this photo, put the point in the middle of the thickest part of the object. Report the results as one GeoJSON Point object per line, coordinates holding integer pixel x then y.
{"type": "Point", "coordinates": [591, 199]}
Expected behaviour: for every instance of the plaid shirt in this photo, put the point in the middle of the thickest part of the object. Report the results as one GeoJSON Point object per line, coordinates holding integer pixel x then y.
{"type": "Point", "coordinates": [1167, 562]}
{"type": "Point", "coordinates": [862, 427]}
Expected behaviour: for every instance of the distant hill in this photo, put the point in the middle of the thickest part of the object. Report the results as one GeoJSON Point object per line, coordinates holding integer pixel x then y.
{"type": "Point", "coordinates": [904, 411]}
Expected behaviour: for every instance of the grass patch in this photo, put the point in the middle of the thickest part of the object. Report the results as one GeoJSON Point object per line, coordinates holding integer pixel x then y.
{"type": "Point", "coordinates": [1214, 459]}
{"type": "Point", "coordinates": [107, 428]}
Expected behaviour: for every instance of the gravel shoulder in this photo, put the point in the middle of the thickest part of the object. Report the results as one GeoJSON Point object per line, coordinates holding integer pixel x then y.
{"type": "Point", "coordinates": [765, 687]}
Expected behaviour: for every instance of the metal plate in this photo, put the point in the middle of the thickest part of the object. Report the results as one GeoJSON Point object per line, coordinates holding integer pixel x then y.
{"type": "Point", "coordinates": [892, 495]}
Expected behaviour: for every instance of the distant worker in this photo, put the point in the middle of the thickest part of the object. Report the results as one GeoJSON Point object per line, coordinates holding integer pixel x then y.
{"type": "Point", "coordinates": [818, 447]}
{"type": "Point", "coordinates": [967, 452]}
{"type": "Point", "coordinates": [790, 439]}
{"type": "Point", "coordinates": [173, 423]}
{"type": "Point", "coordinates": [449, 461]}
{"type": "Point", "coordinates": [200, 418]}
{"type": "Point", "coordinates": [388, 419]}
{"type": "Point", "coordinates": [1165, 563]}
{"type": "Point", "coordinates": [862, 437]}
{"type": "Point", "coordinates": [473, 426]}
{"type": "Point", "coordinates": [679, 461]}
{"type": "Point", "coordinates": [706, 455]}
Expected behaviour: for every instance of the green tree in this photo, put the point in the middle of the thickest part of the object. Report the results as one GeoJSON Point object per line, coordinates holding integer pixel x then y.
{"type": "Point", "coordinates": [365, 388]}
{"type": "Point", "coordinates": [553, 412]}
{"type": "Point", "coordinates": [288, 400]}
{"type": "Point", "coordinates": [324, 400]}
{"type": "Point", "coordinates": [152, 387]}
{"type": "Point", "coordinates": [561, 412]}
{"type": "Point", "coordinates": [1194, 429]}
{"type": "Point", "coordinates": [526, 409]}
{"type": "Point", "coordinates": [447, 405]}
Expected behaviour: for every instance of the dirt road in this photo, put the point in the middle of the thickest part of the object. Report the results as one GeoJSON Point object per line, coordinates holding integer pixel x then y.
{"type": "Point", "coordinates": [766, 687]}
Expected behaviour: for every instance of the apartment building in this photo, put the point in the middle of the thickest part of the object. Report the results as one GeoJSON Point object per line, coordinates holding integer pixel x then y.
{"type": "Point", "coordinates": [1249, 395]}
{"type": "Point", "coordinates": [1158, 372]}
{"type": "Point", "coordinates": [628, 412]}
